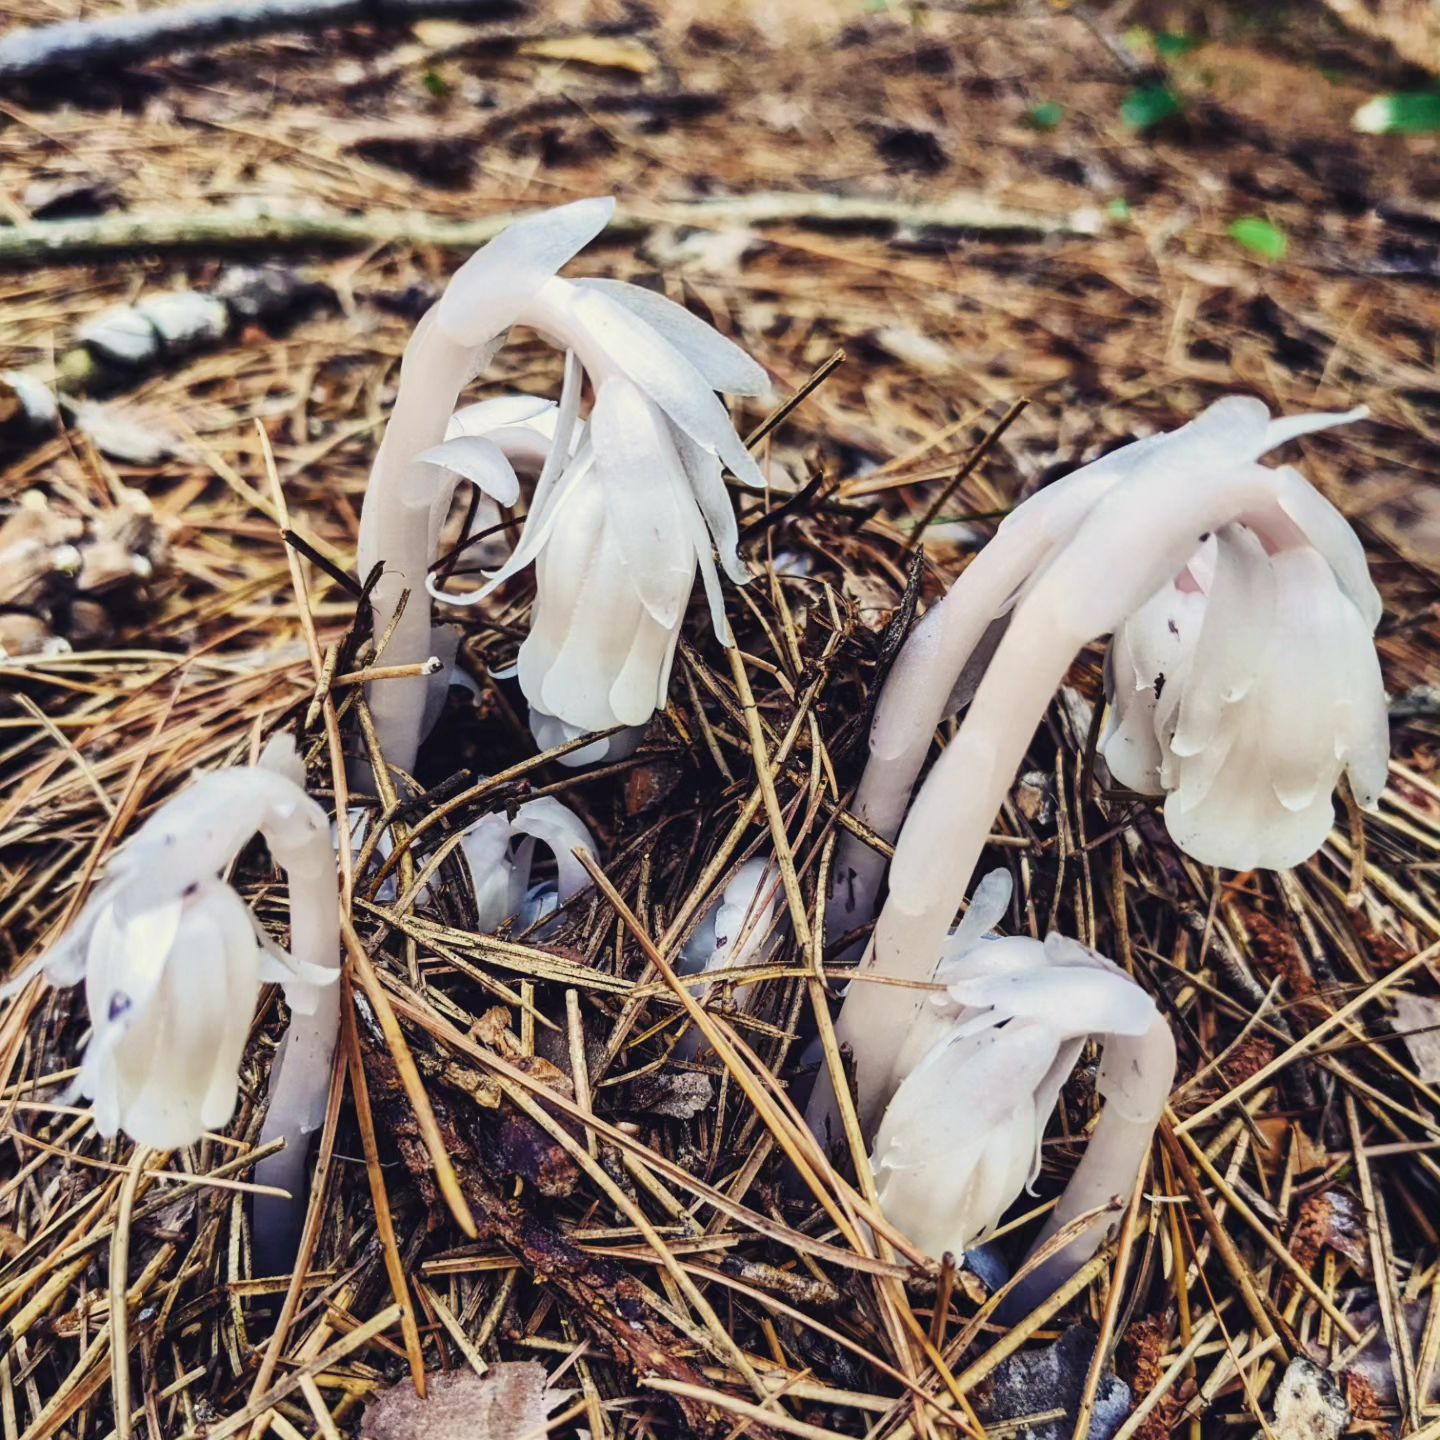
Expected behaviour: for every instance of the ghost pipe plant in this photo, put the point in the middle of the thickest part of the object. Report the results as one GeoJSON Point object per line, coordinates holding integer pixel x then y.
{"type": "Point", "coordinates": [173, 960]}
{"type": "Point", "coordinates": [941, 663]}
{"type": "Point", "coordinates": [657, 429]}
{"type": "Point", "coordinates": [627, 506]}
{"type": "Point", "coordinates": [734, 931]}
{"type": "Point", "coordinates": [414, 474]}
{"type": "Point", "coordinates": [1135, 524]}
{"type": "Point", "coordinates": [500, 854]}
{"type": "Point", "coordinates": [982, 1071]}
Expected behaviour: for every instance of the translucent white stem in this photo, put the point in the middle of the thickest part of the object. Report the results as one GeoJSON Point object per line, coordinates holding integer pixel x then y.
{"type": "Point", "coordinates": [1134, 539]}
{"type": "Point", "coordinates": [300, 1076]}
{"type": "Point", "coordinates": [1143, 1069]}
{"type": "Point", "coordinates": [395, 527]}
{"type": "Point", "coordinates": [914, 700]}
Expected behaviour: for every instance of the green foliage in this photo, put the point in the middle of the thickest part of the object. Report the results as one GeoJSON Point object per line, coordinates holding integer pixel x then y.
{"type": "Point", "coordinates": [435, 83]}
{"type": "Point", "coordinates": [1415, 112]}
{"type": "Point", "coordinates": [1145, 107]}
{"type": "Point", "coordinates": [1259, 236]}
{"type": "Point", "coordinates": [1169, 44]}
{"type": "Point", "coordinates": [1046, 115]}
{"type": "Point", "coordinates": [1118, 209]}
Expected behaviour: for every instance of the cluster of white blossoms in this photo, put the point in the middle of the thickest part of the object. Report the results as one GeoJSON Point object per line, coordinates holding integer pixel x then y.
{"type": "Point", "coordinates": [1243, 681]}
{"type": "Point", "coordinates": [627, 505]}
{"type": "Point", "coordinates": [1243, 688]}
{"type": "Point", "coordinates": [1241, 675]}
{"type": "Point", "coordinates": [1132, 545]}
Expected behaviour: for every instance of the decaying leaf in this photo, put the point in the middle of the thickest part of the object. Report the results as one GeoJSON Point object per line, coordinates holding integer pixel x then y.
{"type": "Point", "coordinates": [1417, 1018]}
{"type": "Point", "coordinates": [1308, 1404]}
{"type": "Point", "coordinates": [510, 1401]}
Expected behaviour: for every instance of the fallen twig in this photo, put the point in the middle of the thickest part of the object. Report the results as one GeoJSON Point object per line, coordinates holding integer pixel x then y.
{"type": "Point", "coordinates": [958, 214]}
{"type": "Point", "coordinates": [94, 46]}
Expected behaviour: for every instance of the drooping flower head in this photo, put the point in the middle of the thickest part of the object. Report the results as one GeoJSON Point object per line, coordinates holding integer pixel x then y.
{"type": "Point", "coordinates": [628, 503]}
{"type": "Point", "coordinates": [1243, 688]}
{"type": "Point", "coordinates": [960, 1139]}
{"type": "Point", "coordinates": [172, 958]}
{"type": "Point", "coordinates": [500, 854]}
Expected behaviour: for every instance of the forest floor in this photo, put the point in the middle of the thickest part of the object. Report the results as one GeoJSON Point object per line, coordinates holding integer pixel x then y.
{"type": "Point", "coordinates": [1026, 240]}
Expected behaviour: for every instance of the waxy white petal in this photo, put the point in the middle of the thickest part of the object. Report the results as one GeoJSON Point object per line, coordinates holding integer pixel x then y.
{"type": "Point", "coordinates": [723, 364]}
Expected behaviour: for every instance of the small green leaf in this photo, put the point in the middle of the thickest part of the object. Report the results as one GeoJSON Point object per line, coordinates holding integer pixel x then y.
{"type": "Point", "coordinates": [1148, 106]}
{"type": "Point", "coordinates": [435, 83]}
{"type": "Point", "coordinates": [1169, 44]}
{"type": "Point", "coordinates": [1045, 116]}
{"type": "Point", "coordinates": [1413, 113]}
{"type": "Point", "coordinates": [1118, 209]}
{"type": "Point", "coordinates": [1259, 236]}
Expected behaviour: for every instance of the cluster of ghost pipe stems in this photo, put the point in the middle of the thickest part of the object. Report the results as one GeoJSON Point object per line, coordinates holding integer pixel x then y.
{"type": "Point", "coordinates": [626, 504]}
{"type": "Point", "coordinates": [173, 961]}
{"type": "Point", "coordinates": [1133, 528]}
{"type": "Point", "coordinates": [1243, 681]}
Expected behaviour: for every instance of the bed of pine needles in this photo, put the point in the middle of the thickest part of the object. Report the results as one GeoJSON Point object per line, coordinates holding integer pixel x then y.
{"type": "Point", "coordinates": [517, 1164]}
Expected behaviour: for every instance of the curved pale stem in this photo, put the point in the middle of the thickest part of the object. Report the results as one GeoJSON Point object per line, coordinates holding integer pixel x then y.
{"type": "Point", "coordinates": [1141, 1069]}
{"type": "Point", "coordinates": [913, 702]}
{"type": "Point", "coordinates": [300, 1075]}
{"type": "Point", "coordinates": [395, 527]}
{"type": "Point", "coordinates": [1134, 539]}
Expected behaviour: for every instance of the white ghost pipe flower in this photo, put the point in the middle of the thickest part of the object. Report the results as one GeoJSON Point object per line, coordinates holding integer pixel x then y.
{"type": "Point", "coordinates": [414, 473]}
{"type": "Point", "coordinates": [1134, 539]}
{"type": "Point", "coordinates": [733, 932]}
{"type": "Point", "coordinates": [615, 573]}
{"type": "Point", "coordinates": [610, 330]}
{"type": "Point", "coordinates": [172, 961]}
{"type": "Point", "coordinates": [960, 1139]}
{"type": "Point", "coordinates": [1240, 692]}
{"type": "Point", "coordinates": [939, 666]}
{"type": "Point", "coordinates": [627, 507]}
{"type": "Point", "coordinates": [500, 852]}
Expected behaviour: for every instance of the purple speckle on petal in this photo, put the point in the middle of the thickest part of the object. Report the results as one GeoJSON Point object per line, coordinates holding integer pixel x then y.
{"type": "Point", "coordinates": [120, 1004]}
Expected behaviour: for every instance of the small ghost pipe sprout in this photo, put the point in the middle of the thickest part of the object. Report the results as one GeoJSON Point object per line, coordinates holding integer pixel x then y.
{"type": "Point", "coordinates": [734, 931]}
{"type": "Point", "coordinates": [173, 961]}
{"type": "Point", "coordinates": [415, 473]}
{"type": "Point", "coordinates": [1135, 538]}
{"type": "Point", "coordinates": [627, 507]}
{"type": "Point", "coordinates": [500, 852]}
{"type": "Point", "coordinates": [960, 1139]}
{"type": "Point", "coordinates": [941, 663]}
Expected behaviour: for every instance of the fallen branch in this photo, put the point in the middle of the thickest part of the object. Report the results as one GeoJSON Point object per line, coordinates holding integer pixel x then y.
{"type": "Point", "coordinates": [224, 228]}
{"type": "Point", "coordinates": [94, 46]}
